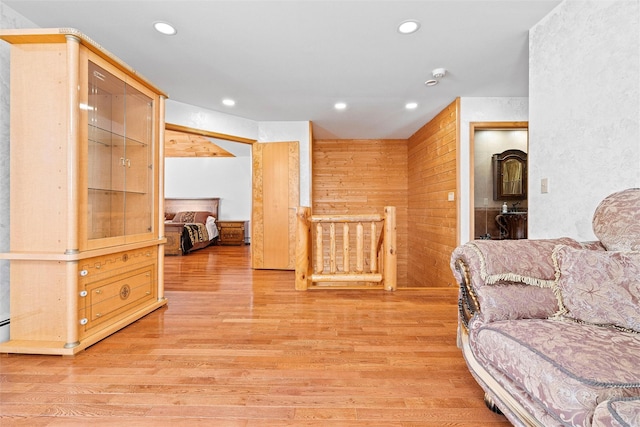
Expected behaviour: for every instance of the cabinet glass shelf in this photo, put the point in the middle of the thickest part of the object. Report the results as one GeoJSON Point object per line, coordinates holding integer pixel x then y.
{"type": "Point", "coordinates": [109, 190]}
{"type": "Point", "coordinates": [107, 137]}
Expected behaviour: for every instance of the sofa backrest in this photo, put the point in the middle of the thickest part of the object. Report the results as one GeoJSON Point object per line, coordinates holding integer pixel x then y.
{"type": "Point", "coordinates": [616, 221]}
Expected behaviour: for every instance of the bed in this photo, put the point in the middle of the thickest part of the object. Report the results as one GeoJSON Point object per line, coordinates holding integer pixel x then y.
{"type": "Point", "coordinates": [190, 224]}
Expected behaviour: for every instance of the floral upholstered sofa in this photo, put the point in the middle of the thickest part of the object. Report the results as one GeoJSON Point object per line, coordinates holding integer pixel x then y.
{"type": "Point", "coordinates": [550, 329]}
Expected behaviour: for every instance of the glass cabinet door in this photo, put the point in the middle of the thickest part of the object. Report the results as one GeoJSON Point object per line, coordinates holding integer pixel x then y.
{"type": "Point", "coordinates": [119, 157]}
{"type": "Point", "coordinates": [138, 162]}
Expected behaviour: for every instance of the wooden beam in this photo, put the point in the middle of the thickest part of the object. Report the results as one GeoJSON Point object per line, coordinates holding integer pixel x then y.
{"type": "Point", "coordinates": [180, 144]}
{"type": "Point", "coordinates": [208, 134]}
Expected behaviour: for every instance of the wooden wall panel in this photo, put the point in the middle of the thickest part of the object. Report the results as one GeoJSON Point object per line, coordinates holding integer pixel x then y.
{"type": "Point", "coordinates": [432, 172]}
{"type": "Point", "coordinates": [363, 176]}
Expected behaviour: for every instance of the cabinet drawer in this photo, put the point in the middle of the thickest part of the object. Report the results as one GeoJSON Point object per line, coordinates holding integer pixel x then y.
{"type": "Point", "coordinates": [90, 267]}
{"type": "Point", "coordinates": [232, 234]}
{"type": "Point", "coordinates": [111, 297]}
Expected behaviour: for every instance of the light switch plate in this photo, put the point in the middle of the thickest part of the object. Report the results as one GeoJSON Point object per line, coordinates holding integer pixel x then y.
{"type": "Point", "coordinates": [544, 185]}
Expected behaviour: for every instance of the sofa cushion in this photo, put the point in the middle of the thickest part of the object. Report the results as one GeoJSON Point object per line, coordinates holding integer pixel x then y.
{"type": "Point", "coordinates": [618, 413]}
{"type": "Point", "coordinates": [567, 367]}
{"type": "Point", "coordinates": [599, 287]}
{"type": "Point", "coordinates": [516, 301]}
{"type": "Point", "coordinates": [616, 221]}
{"type": "Point", "coordinates": [513, 261]}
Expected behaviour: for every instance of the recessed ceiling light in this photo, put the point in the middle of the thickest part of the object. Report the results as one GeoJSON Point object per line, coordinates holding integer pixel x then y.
{"type": "Point", "coordinates": [164, 28]}
{"type": "Point", "coordinates": [431, 82]}
{"type": "Point", "coordinates": [229, 102]}
{"type": "Point", "coordinates": [411, 105]}
{"type": "Point", "coordinates": [408, 27]}
{"type": "Point", "coordinates": [340, 105]}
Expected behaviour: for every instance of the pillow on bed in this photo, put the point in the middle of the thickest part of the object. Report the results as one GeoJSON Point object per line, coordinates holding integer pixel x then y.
{"type": "Point", "coordinates": [194, 217]}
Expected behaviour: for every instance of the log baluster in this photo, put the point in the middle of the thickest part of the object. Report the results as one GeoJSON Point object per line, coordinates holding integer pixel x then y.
{"type": "Point", "coordinates": [373, 250]}
{"type": "Point", "coordinates": [359, 248]}
{"type": "Point", "coordinates": [346, 268]}
{"type": "Point", "coordinates": [332, 248]}
{"type": "Point", "coordinates": [319, 265]}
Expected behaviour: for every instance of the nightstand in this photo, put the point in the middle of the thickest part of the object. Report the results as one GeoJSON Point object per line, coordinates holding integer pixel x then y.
{"type": "Point", "coordinates": [231, 232]}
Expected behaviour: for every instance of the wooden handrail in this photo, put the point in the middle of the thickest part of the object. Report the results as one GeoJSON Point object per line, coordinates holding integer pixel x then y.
{"type": "Point", "coordinates": [347, 218]}
{"type": "Point", "coordinates": [380, 266]}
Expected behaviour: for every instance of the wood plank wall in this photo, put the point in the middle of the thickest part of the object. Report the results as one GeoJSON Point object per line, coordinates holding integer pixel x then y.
{"type": "Point", "coordinates": [432, 218]}
{"type": "Point", "coordinates": [363, 176]}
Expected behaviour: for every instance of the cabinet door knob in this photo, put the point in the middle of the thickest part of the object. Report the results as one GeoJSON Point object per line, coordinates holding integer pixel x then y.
{"type": "Point", "coordinates": [84, 321]}
{"type": "Point", "coordinates": [83, 293]}
{"type": "Point", "coordinates": [98, 314]}
{"type": "Point", "coordinates": [98, 291]}
{"type": "Point", "coordinates": [83, 273]}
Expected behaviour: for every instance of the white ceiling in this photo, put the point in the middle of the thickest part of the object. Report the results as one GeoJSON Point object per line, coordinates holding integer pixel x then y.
{"type": "Point", "coordinates": [292, 60]}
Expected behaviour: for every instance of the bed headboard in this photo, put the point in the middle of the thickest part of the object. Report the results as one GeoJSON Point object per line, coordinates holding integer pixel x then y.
{"type": "Point", "coordinates": [173, 206]}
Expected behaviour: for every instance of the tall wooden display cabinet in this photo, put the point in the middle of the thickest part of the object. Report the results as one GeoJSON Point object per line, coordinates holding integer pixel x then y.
{"type": "Point", "coordinates": [86, 240]}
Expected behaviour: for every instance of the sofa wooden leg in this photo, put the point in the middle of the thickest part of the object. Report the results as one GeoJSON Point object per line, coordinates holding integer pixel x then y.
{"type": "Point", "coordinates": [491, 404]}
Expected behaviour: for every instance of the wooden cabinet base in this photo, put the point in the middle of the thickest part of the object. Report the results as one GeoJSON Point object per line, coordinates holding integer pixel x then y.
{"type": "Point", "coordinates": [231, 232]}
{"type": "Point", "coordinates": [62, 349]}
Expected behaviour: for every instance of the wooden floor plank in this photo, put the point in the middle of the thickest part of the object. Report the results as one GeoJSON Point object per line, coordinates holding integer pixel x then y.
{"type": "Point", "coordinates": [241, 348]}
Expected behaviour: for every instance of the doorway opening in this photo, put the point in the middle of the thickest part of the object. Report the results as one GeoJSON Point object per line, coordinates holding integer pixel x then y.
{"type": "Point", "coordinates": [488, 139]}
{"type": "Point", "coordinates": [208, 164]}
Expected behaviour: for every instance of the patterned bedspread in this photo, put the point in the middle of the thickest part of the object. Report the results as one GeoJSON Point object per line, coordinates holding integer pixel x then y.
{"type": "Point", "coordinates": [192, 234]}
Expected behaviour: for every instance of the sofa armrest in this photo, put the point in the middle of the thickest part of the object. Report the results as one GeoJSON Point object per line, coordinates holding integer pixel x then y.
{"type": "Point", "coordinates": [506, 279]}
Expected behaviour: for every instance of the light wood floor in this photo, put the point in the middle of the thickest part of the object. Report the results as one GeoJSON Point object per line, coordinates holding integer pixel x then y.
{"type": "Point", "coordinates": [237, 347]}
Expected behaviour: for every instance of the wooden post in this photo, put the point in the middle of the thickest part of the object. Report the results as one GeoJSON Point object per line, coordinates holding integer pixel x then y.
{"type": "Point", "coordinates": [359, 248]}
{"type": "Point", "coordinates": [390, 273]}
{"type": "Point", "coordinates": [319, 265]}
{"type": "Point", "coordinates": [345, 248]}
{"type": "Point", "coordinates": [332, 248]}
{"type": "Point", "coordinates": [303, 248]}
{"type": "Point", "coordinates": [373, 255]}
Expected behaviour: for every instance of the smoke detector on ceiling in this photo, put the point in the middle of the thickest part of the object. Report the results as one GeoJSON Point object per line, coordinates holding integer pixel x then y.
{"type": "Point", "coordinates": [439, 73]}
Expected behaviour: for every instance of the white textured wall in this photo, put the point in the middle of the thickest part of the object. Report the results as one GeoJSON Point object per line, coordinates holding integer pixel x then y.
{"type": "Point", "coordinates": [480, 110]}
{"type": "Point", "coordinates": [584, 112]}
{"type": "Point", "coordinates": [8, 19]}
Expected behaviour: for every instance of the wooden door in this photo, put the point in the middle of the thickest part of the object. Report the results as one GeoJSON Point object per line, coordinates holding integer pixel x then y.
{"type": "Point", "coordinates": [276, 194]}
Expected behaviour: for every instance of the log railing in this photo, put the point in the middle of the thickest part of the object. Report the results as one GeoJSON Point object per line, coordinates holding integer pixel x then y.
{"type": "Point", "coordinates": [354, 251]}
